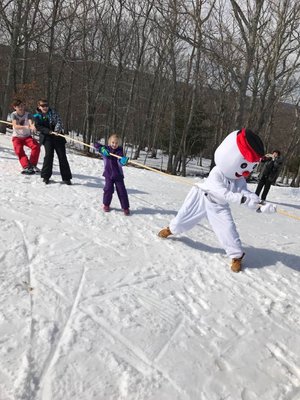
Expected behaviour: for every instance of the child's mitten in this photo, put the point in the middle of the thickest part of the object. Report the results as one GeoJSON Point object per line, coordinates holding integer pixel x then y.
{"type": "Point", "coordinates": [123, 160]}
{"type": "Point", "coordinates": [104, 151]}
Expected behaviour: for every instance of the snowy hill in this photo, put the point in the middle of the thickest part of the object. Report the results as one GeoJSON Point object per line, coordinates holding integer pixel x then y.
{"type": "Point", "coordinates": [97, 306]}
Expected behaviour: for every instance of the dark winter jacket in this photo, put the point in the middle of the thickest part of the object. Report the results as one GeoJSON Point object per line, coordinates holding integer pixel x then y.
{"type": "Point", "coordinates": [271, 169]}
{"type": "Point", "coordinates": [112, 168]}
{"type": "Point", "coordinates": [49, 122]}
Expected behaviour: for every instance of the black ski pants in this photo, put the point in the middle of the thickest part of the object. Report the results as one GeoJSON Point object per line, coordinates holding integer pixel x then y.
{"type": "Point", "coordinates": [265, 184]}
{"type": "Point", "coordinates": [57, 144]}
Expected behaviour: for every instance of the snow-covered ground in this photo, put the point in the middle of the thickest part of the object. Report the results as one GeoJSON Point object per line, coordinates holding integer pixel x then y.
{"type": "Point", "coordinates": [97, 306]}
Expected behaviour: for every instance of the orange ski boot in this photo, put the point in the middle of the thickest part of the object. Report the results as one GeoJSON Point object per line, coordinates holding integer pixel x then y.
{"type": "Point", "coordinates": [165, 232]}
{"type": "Point", "coordinates": [236, 264]}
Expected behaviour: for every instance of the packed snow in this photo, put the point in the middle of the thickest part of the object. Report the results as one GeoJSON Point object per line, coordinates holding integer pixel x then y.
{"type": "Point", "coordinates": [95, 305]}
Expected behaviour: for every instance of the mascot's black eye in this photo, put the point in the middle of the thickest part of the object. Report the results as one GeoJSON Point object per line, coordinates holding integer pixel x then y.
{"type": "Point", "coordinates": [254, 166]}
{"type": "Point", "coordinates": [244, 165]}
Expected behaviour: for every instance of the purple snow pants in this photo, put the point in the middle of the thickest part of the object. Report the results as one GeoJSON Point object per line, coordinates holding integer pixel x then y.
{"type": "Point", "coordinates": [108, 191]}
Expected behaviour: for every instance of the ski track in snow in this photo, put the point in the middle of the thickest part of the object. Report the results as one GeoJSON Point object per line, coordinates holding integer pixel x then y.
{"type": "Point", "coordinates": [54, 355]}
{"type": "Point", "coordinates": [117, 313]}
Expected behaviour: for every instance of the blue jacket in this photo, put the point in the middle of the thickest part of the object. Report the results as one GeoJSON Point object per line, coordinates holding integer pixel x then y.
{"type": "Point", "coordinates": [46, 123]}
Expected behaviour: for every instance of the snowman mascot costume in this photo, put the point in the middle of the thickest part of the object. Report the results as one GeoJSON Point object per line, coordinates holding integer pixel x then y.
{"type": "Point", "coordinates": [235, 159]}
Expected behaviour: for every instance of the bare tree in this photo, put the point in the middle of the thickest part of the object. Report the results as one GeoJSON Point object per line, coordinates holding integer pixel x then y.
{"type": "Point", "coordinates": [251, 27]}
{"type": "Point", "coordinates": [11, 13]}
{"type": "Point", "coordinates": [277, 63]}
{"type": "Point", "coordinates": [197, 14]}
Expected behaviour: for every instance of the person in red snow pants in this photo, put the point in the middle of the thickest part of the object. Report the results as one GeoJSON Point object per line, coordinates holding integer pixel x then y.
{"type": "Point", "coordinates": [19, 144]}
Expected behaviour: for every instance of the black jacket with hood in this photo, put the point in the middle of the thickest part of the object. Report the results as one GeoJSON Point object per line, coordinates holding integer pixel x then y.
{"type": "Point", "coordinates": [271, 168]}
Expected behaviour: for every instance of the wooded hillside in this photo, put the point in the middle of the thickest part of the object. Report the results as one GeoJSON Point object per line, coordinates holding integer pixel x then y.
{"type": "Point", "coordinates": [175, 75]}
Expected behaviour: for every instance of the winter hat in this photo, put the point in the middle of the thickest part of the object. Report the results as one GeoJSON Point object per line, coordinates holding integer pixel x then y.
{"type": "Point", "coordinates": [239, 153]}
{"type": "Point", "coordinates": [250, 145]}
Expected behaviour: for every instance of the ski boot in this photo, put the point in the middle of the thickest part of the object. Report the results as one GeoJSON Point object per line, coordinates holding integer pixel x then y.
{"type": "Point", "coordinates": [27, 171]}
{"type": "Point", "coordinates": [165, 232]}
{"type": "Point", "coordinates": [236, 264]}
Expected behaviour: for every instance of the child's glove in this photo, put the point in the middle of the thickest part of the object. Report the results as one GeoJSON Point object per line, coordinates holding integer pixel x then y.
{"type": "Point", "coordinates": [123, 161]}
{"type": "Point", "coordinates": [97, 146]}
{"type": "Point", "coordinates": [267, 208]}
{"type": "Point", "coordinates": [251, 200]}
{"type": "Point", "coordinates": [104, 151]}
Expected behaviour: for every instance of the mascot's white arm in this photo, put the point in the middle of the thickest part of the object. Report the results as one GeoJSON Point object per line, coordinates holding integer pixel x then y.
{"type": "Point", "coordinates": [220, 189]}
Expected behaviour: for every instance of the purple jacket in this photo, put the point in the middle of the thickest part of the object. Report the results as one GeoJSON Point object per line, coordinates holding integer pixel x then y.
{"type": "Point", "coordinates": [112, 168]}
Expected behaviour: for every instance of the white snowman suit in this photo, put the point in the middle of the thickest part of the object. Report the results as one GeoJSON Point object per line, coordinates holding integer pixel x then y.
{"type": "Point", "coordinates": [235, 158]}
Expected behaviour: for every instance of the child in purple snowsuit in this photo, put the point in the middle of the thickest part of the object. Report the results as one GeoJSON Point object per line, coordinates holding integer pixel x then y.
{"type": "Point", "coordinates": [113, 173]}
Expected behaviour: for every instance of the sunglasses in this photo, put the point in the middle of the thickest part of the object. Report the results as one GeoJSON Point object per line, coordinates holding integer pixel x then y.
{"type": "Point", "coordinates": [43, 105]}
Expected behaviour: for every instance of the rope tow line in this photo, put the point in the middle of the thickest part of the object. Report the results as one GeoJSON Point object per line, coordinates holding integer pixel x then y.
{"type": "Point", "coordinates": [279, 211]}
{"type": "Point", "coordinates": [283, 212]}
{"type": "Point", "coordinates": [181, 180]}
{"type": "Point", "coordinates": [115, 155]}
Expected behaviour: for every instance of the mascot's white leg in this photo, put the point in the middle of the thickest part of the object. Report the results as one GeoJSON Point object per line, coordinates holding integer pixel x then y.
{"type": "Point", "coordinates": [190, 213]}
{"type": "Point", "coordinates": [220, 219]}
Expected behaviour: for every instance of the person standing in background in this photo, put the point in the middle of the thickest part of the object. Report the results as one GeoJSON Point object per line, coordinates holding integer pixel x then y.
{"type": "Point", "coordinates": [269, 173]}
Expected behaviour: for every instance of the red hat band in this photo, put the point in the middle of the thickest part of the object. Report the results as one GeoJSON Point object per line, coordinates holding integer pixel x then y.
{"type": "Point", "coordinates": [248, 152]}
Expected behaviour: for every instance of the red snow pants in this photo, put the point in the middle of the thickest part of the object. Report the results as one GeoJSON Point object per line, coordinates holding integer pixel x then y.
{"type": "Point", "coordinates": [30, 142]}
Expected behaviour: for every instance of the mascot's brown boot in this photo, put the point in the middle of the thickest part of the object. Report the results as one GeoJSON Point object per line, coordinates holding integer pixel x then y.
{"type": "Point", "coordinates": [164, 233]}
{"type": "Point", "coordinates": [236, 264]}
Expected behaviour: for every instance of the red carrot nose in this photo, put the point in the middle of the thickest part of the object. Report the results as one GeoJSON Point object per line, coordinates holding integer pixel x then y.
{"type": "Point", "coordinates": [246, 173]}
